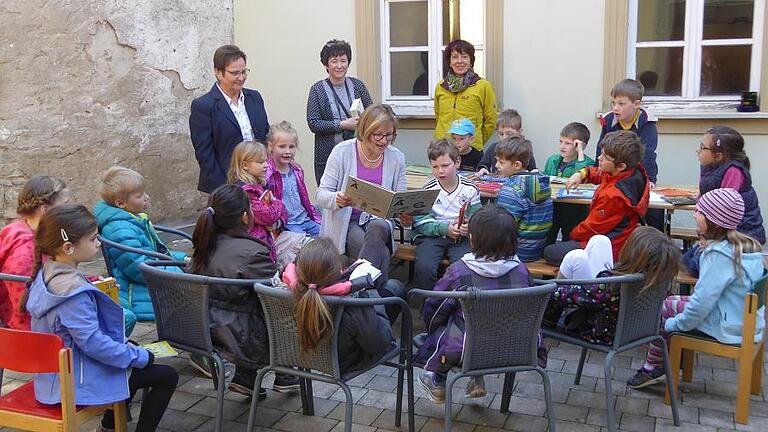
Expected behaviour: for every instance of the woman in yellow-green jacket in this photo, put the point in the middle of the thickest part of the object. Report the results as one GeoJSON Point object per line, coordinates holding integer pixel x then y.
{"type": "Point", "coordinates": [463, 94]}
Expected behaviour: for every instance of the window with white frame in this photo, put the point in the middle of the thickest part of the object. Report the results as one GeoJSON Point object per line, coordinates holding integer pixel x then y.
{"type": "Point", "coordinates": [414, 35]}
{"type": "Point", "coordinates": [695, 54]}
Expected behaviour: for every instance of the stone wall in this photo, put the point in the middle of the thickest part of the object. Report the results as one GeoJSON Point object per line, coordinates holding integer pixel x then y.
{"type": "Point", "coordinates": [85, 84]}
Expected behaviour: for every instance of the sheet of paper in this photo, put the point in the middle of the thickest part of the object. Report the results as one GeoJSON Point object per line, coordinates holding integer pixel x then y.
{"type": "Point", "coordinates": [656, 198]}
{"type": "Point", "coordinates": [365, 268]}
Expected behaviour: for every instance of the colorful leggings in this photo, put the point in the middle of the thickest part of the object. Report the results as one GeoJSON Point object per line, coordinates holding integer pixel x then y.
{"type": "Point", "coordinates": [673, 305]}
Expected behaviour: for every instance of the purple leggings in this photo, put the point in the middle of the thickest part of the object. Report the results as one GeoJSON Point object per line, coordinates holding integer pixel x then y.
{"type": "Point", "coordinates": [673, 305]}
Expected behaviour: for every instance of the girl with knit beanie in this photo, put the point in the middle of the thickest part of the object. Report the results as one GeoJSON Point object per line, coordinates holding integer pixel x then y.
{"type": "Point", "coordinates": [730, 263]}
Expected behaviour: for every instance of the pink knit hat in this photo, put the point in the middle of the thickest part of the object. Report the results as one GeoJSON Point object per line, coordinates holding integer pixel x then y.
{"type": "Point", "coordinates": [724, 207]}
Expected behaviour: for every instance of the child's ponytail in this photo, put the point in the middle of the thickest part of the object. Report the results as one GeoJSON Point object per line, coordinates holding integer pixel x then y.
{"type": "Point", "coordinates": [741, 244]}
{"type": "Point", "coordinates": [318, 265]}
{"type": "Point", "coordinates": [728, 142]}
{"type": "Point", "coordinates": [35, 269]}
{"type": "Point", "coordinates": [224, 215]}
{"type": "Point", "coordinates": [314, 320]}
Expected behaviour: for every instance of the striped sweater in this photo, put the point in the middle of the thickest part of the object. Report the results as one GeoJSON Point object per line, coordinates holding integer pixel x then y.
{"type": "Point", "coordinates": [527, 196]}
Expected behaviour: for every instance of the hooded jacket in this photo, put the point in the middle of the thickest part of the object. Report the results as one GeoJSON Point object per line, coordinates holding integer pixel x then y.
{"type": "Point", "coordinates": [528, 197]}
{"type": "Point", "coordinates": [717, 304]}
{"type": "Point", "coordinates": [265, 215]}
{"type": "Point", "coordinates": [477, 103]}
{"type": "Point", "coordinates": [645, 128]}
{"type": "Point", "coordinates": [237, 320]}
{"type": "Point", "coordinates": [444, 318]}
{"type": "Point", "coordinates": [128, 229]}
{"type": "Point", "coordinates": [63, 302]}
{"type": "Point", "coordinates": [275, 184]}
{"type": "Point", "coordinates": [17, 250]}
{"type": "Point", "coordinates": [365, 334]}
{"type": "Point", "coordinates": [618, 204]}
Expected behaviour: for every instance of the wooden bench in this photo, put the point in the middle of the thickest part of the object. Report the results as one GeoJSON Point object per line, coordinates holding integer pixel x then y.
{"type": "Point", "coordinates": [687, 235]}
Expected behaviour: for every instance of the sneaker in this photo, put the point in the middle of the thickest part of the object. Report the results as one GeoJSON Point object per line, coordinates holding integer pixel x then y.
{"type": "Point", "coordinates": [285, 383]}
{"type": "Point", "coordinates": [644, 378]}
{"type": "Point", "coordinates": [475, 387]}
{"type": "Point", "coordinates": [246, 389]}
{"type": "Point", "coordinates": [436, 391]}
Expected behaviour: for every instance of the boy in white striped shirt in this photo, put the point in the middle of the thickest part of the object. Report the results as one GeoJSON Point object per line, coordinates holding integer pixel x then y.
{"type": "Point", "coordinates": [439, 234]}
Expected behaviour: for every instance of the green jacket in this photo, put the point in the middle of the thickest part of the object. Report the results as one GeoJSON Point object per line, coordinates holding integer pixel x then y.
{"type": "Point", "coordinates": [476, 103]}
{"type": "Point", "coordinates": [570, 168]}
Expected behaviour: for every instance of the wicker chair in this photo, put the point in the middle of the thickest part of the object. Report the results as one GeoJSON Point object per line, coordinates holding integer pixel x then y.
{"type": "Point", "coordinates": [637, 326]}
{"type": "Point", "coordinates": [501, 336]}
{"type": "Point", "coordinates": [182, 317]}
{"type": "Point", "coordinates": [106, 244]}
{"type": "Point", "coordinates": [323, 364]}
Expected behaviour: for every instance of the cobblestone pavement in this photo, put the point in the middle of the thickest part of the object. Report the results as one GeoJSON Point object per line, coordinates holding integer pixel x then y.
{"type": "Point", "coordinates": [707, 402]}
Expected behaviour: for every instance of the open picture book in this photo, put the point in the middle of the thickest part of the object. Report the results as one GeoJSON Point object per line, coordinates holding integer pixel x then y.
{"type": "Point", "coordinates": [378, 201]}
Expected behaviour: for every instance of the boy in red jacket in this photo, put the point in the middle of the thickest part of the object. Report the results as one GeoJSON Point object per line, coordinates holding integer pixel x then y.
{"type": "Point", "coordinates": [620, 200]}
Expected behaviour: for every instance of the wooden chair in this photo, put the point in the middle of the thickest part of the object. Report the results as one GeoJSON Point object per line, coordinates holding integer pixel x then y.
{"type": "Point", "coordinates": [32, 352]}
{"type": "Point", "coordinates": [748, 355]}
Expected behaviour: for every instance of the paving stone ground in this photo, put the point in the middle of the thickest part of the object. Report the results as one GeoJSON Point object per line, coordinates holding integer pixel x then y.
{"type": "Point", "coordinates": [707, 402]}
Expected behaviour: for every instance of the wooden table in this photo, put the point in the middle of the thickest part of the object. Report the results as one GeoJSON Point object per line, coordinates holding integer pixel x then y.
{"type": "Point", "coordinates": [416, 181]}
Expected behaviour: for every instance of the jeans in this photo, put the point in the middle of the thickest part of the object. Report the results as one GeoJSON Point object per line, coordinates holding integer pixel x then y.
{"type": "Point", "coordinates": [309, 227]}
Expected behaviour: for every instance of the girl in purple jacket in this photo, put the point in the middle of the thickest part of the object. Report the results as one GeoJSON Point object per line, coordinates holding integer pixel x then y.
{"type": "Point", "coordinates": [285, 178]}
{"type": "Point", "coordinates": [247, 169]}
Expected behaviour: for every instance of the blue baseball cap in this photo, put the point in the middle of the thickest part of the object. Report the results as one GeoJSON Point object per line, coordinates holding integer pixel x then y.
{"type": "Point", "coordinates": [462, 127]}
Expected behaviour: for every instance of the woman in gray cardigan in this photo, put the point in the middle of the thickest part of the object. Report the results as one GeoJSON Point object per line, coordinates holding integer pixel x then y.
{"type": "Point", "coordinates": [371, 158]}
{"type": "Point", "coordinates": [328, 113]}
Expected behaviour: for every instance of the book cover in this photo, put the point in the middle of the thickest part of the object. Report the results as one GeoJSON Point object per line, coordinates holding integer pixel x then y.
{"type": "Point", "coordinates": [378, 201]}
{"type": "Point", "coordinates": [161, 349]}
{"type": "Point", "coordinates": [576, 193]}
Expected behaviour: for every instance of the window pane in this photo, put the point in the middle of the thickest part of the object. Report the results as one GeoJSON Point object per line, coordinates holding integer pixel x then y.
{"type": "Point", "coordinates": [410, 75]}
{"type": "Point", "coordinates": [660, 70]}
{"type": "Point", "coordinates": [725, 70]}
{"type": "Point", "coordinates": [660, 20]}
{"type": "Point", "coordinates": [463, 19]}
{"type": "Point", "coordinates": [408, 24]}
{"type": "Point", "coordinates": [728, 19]}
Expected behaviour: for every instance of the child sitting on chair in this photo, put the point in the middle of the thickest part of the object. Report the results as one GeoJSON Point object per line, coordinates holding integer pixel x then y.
{"type": "Point", "coordinates": [647, 251]}
{"type": "Point", "coordinates": [63, 302]}
{"type": "Point", "coordinates": [731, 263]}
{"type": "Point", "coordinates": [121, 218]}
{"type": "Point", "coordinates": [365, 333]}
{"type": "Point", "coordinates": [492, 265]}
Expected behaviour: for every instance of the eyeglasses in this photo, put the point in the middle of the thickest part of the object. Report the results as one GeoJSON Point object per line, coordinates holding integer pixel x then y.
{"type": "Point", "coordinates": [702, 148]}
{"type": "Point", "coordinates": [243, 72]}
{"type": "Point", "coordinates": [389, 136]}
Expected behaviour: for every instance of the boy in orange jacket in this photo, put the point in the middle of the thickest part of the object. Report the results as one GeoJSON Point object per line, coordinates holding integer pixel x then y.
{"type": "Point", "coordinates": [620, 201]}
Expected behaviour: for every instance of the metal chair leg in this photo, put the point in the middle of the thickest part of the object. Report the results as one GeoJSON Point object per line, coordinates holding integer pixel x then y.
{"type": "Point", "coordinates": [670, 385]}
{"type": "Point", "coordinates": [449, 400]}
{"type": "Point", "coordinates": [348, 410]}
{"type": "Point", "coordinates": [506, 393]}
{"type": "Point", "coordinates": [255, 398]}
{"type": "Point", "coordinates": [551, 419]}
{"type": "Point", "coordinates": [609, 413]}
{"type": "Point", "coordinates": [220, 393]}
{"type": "Point", "coordinates": [582, 359]}
{"type": "Point", "coordinates": [399, 401]}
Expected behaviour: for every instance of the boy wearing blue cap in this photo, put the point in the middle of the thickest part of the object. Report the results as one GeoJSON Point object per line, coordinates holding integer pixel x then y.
{"type": "Point", "coordinates": [463, 135]}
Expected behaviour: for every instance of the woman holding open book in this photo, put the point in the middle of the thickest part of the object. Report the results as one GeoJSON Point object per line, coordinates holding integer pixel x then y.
{"type": "Point", "coordinates": [369, 157]}
{"type": "Point", "coordinates": [330, 113]}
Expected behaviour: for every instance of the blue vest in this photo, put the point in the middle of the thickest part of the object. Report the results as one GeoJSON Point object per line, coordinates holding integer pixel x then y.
{"type": "Point", "coordinates": [712, 177]}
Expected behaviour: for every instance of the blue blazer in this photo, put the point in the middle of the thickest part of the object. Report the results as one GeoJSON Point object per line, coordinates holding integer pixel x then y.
{"type": "Point", "coordinates": [215, 133]}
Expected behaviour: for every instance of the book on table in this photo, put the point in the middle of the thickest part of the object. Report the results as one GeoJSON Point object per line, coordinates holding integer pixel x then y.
{"type": "Point", "coordinates": [378, 201]}
{"type": "Point", "coordinates": [576, 193]}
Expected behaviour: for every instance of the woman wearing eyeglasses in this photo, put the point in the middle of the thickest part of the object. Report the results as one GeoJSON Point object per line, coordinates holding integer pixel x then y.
{"type": "Point", "coordinates": [224, 117]}
{"type": "Point", "coordinates": [328, 106]}
{"type": "Point", "coordinates": [369, 157]}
